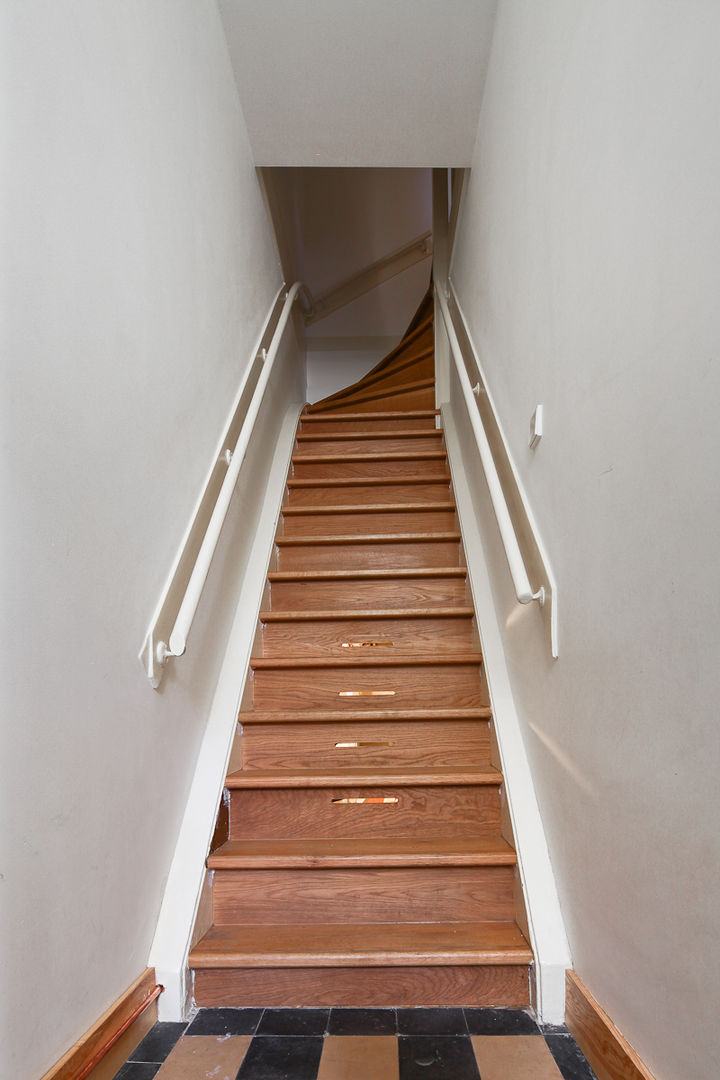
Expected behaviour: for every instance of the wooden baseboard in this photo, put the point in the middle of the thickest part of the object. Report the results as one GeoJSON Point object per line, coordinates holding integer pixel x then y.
{"type": "Point", "coordinates": [113, 1036]}
{"type": "Point", "coordinates": [610, 1055]}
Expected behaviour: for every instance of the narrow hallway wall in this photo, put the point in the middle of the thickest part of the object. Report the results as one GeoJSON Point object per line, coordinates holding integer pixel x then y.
{"type": "Point", "coordinates": [137, 270]}
{"type": "Point", "coordinates": [587, 264]}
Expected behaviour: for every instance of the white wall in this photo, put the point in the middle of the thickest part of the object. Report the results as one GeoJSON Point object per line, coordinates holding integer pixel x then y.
{"type": "Point", "coordinates": [588, 263]}
{"type": "Point", "coordinates": [361, 82]}
{"type": "Point", "coordinates": [137, 269]}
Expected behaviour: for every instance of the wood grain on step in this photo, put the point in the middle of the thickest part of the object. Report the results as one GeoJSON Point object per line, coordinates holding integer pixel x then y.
{"type": "Point", "coordinates": [416, 743]}
{"type": "Point", "coordinates": [375, 945]}
{"type": "Point", "coordinates": [368, 442]}
{"type": "Point", "coordinates": [420, 811]}
{"type": "Point", "coordinates": [368, 852]}
{"type": "Point", "coordinates": [292, 716]}
{"type": "Point", "coordinates": [324, 423]}
{"type": "Point", "coordinates": [359, 593]}
{"type": "Point", "coordinates": [396, 551]}
{"type": "Point", "coordinates": [407, 466]}
{"type": "Point", "coordinates": [387, 895]}
{"type": "Point", "coordinates": [340, 688]}
{"type": "Point", "coordinates": [423, 519]}
{"type": "Point", "coordinates": [355, 636]}
{"type": "Point", "coordinates": [369, 490]}
{"type": "Point", "coordinates": [359, 777]}
{"type": "Point", "coordinates": [505, 986]}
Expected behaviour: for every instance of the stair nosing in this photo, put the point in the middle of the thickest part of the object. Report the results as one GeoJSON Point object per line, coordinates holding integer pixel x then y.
{"type": "Point", "coordinates": [370, 508]}
{"type": "Point", "coordinates": [332, 459]}
{"type": "Point", "coordinates": [336, 716]}
{"type": "Point", "coordinates": [361, 436]}
{"type": "Point", "coordinates": [254, 779]}
{"type": "Point", "coordinates": [264, 663]}
{"type": "Point", "coordinates": [308, 540]}
{"type": "Point", "coordinates": [340, 575]}
{"type": "Point", "coordinates": [439, 854]}
{"type": "Point", "coordinates": [359, 481]}
{"type": "Point", "coordinates": [411, 955]}
{"type": "Point", "coordinates": [412, 414]}
{"type": "Point", "coordinates": [342, 614]}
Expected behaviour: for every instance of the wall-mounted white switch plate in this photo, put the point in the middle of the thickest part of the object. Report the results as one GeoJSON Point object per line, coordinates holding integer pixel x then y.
{"type": "Point", "coordinates": [536, 427]}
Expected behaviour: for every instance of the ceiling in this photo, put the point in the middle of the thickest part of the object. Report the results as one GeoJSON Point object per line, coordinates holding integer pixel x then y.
{"type": "Point", "coordinates": [360, 82]}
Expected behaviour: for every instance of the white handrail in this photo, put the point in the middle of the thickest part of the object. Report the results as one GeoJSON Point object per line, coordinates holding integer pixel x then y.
{"type": "Point", "coordinates": [179, 634]}
{"type": "Point", "coordinates": [523, 588]}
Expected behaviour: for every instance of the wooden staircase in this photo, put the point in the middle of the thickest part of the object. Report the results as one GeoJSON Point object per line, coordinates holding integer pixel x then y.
{"type": "Point", "coordinates": [363, 855]}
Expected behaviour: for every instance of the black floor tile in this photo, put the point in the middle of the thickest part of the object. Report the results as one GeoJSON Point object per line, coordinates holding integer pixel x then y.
{"type": "Point", "coordinates": [431, 1022]}
{"type": "Point", "coordinates": [158, 1042]}
{"type": "Point", "coordinates": [294, 1057]}
{"type": "Point", "coordinates": [440, 1057]}
{"type": "Point", "coordinates": [137, 1070]}
{"type": "Point", "coordinates": [569, 1058]}
{"type": "Point", "coordinates": [362, 1022]}
{"type": "Point", "coordinates": [293, 1022]}
{"type": "Point", "coordinates": [554, 1029]}
{"type": "Point", "coordinates": [225, 1022]}
{"type": "Point", "coordinates": [500, 1022]}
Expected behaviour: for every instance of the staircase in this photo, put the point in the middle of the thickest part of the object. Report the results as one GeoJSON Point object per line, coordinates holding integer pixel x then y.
{"type": "Point", "coordinates": [363, 854]}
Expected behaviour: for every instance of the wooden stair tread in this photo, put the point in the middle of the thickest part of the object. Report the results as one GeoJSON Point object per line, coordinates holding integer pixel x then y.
{"type": "Point", "coordinates": [369, 508]}
{"type": "Point", "coordinates": [372, 944]}
{"type": "Point", "coordinates": [367, 575]}
{"type": "Point", "coordinates": [369, 852]}
{"type": "Point", "coordinates": [411, 414]}
{"type": "Point", "coordinates": [403, 776]}
{"type": "Point", "coordinates": [341, 614]}
{"type": "Point", "coordinates": [310, 716]}
{"type": "Point", "coordinates": [369, 481]}
{"type": "Point", "coordinates": [391, 455]}
{"type": "Point", "coordinates": [379, 433]}
{"type": "Point", "coordinates": [368, 538]}
{"type": "Point", "coordinates": [262, 663]}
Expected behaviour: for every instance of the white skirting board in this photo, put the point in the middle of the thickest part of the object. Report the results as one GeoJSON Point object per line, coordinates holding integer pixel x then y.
{"type": "Point", "coordinates": [547, 930]}
{"type": "Point", "coordinates": [170, 947]}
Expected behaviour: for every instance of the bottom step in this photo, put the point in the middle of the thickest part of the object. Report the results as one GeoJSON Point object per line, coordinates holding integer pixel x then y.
{"type": "Point", "coordinates": [387, 964]}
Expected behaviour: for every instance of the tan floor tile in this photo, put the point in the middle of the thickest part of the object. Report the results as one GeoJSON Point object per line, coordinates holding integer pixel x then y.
{"type": "Point", "coordinates": [205, 1057]}
{"type": "Point", "coordinates": [514, 1057]}
{"type": "Point", "coordinates": [359, 1057]}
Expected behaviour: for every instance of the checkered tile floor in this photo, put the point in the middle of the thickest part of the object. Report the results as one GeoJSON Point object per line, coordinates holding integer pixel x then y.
{"type": "Point", "coordinates": [357, 1044]}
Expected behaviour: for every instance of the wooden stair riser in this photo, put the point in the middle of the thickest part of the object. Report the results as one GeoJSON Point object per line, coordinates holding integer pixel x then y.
{"type": "Point", "coordinates": [385, 521]}
{"type": "Point", "coordinates": [367, 594]}
{"type": "Point", "coordinates": [452, 894]}
{"type": "Point", "coordinates": [506, 986]}
{"type": "Point", "coordinates": [375, 492]}
{"type": "Point", "coordinates": [470, 810]}
{"type": "Point", "coordinates": [415, 743]}
{"type": "Point", "coordinates": [320, 425]}
{"type": "Point", "coordinates": [367, 637]}
{"type": "Point", "coordinates": [402, 399]}
{"type": "Point", "coordinates": [371, 555]}
{"type": "Point", "coordinates": [345, 688]}
{"type": "Point", "coordinates": [408, 467]}
{"type": "Point", "coordinates": [378, 444]}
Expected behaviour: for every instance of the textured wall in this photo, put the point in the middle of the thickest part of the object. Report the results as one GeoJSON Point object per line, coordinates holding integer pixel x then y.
{"type": "Point", "coordinates": [136, 271]}
{"type": "Point", "coordinates": [588, 263]}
